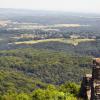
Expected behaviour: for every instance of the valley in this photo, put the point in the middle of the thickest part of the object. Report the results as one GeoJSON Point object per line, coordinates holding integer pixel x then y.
{"type": "Point", "coordinates": [45, 55]}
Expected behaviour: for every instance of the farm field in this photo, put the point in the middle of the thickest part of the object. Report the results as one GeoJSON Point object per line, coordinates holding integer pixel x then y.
{"type": "Point", "coordinates": [74, 42]}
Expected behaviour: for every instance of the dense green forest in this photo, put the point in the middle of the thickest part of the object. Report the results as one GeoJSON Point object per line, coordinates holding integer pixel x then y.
{"type": "Point", "coordinates": [69, 91]}
{"type": "Point", "coordinates": [37, 74]}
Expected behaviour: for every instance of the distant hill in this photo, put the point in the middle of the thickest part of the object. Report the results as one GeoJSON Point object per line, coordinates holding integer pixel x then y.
{"type": "Point", "coordinates": [47, 16]}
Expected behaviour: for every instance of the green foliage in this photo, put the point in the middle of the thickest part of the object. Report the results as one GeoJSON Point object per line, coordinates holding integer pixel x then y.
{"type": "Point", "coordinates": [52, 93]}
{"type": "Point", "coordinates": [15, 96]}
{"type": "Point", "coordinates": [70, 87]}
{"type": "Point", "coordinates": [32, 74]}
{"type": "Point", "coordinates": [47, 66]}
{"type": "Point", "coordinates": [23, 96]}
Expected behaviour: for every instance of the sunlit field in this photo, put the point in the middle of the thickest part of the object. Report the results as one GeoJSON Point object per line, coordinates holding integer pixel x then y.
{"type": "Point", "coordinates": [63, 40]}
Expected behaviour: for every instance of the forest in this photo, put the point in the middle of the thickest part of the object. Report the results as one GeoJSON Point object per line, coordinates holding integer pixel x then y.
{"type": "Point", "coordinates": [35, 74]}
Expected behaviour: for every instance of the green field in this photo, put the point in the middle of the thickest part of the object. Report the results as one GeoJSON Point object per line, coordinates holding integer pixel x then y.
{"type": "Point", "coordinates": [63, 40]}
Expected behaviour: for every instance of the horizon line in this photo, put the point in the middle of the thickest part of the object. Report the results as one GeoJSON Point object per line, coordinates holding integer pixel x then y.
{"type": "Point", "coordinates": [61, 11]}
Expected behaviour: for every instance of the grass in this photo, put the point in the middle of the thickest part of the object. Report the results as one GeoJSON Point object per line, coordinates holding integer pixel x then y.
{"type": "Point", "coordinates": [63, 40]}
{"type": "Point", "coordinates": [77, 41]}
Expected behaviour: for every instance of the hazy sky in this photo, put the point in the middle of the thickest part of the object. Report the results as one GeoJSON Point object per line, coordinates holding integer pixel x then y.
{"type": "Point", "coordinates": [62, 5]}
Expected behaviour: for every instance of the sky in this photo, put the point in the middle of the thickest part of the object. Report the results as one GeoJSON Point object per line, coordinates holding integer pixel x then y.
{"type": "Point", "coordinates": [92, 6]}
